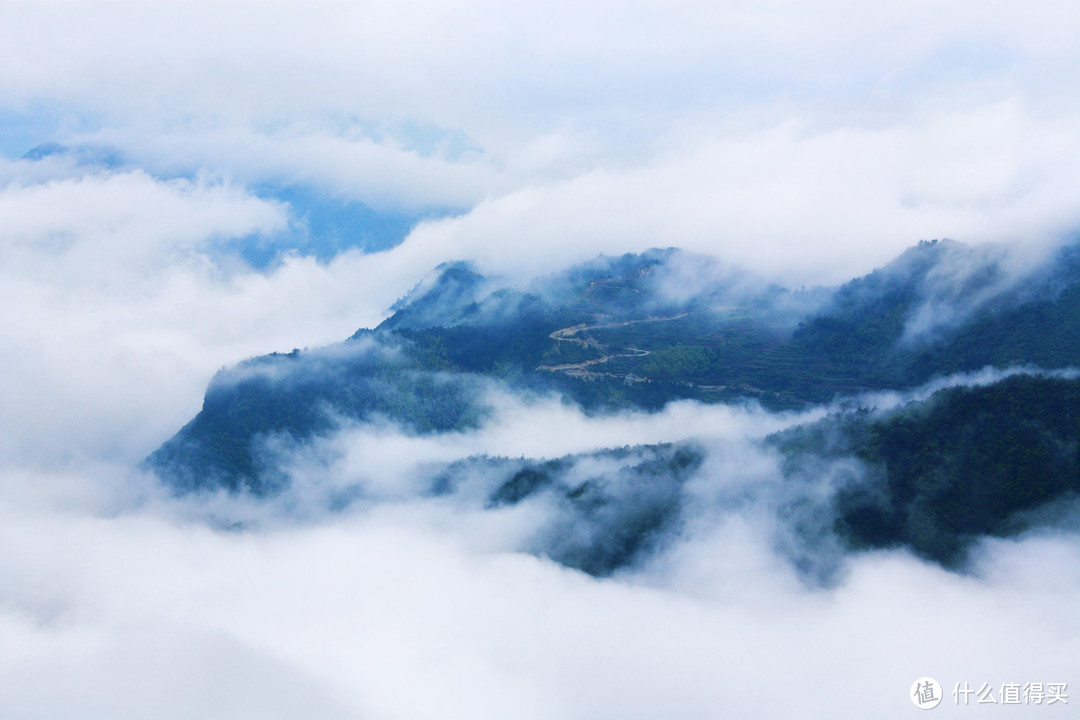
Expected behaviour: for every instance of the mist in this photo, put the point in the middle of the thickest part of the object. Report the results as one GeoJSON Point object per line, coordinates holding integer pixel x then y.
{"type": "Point", "coordinates": [160, 168]}
{"type": "Point", "coordinates": [129, 601]}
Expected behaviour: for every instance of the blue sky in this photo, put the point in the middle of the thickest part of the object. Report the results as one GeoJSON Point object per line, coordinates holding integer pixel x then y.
{"type": "Point", "coordinates": [692, 124]}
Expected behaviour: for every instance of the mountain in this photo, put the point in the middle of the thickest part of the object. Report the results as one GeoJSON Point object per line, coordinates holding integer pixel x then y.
{"type": "Point", "coordinates": [607, 334]}
{"type": "Point", "coordinates": [641, 330]}
{"type": "Point", "coordinates": [255, 408]}
{"type": "Point", "coordinates": [85, 154]}
{"type": "Point", "coordinates": [612, 508]}
{"type": "Point", "coordinates": [940, 473]}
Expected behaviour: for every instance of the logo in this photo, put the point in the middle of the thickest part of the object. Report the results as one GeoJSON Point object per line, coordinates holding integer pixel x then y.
{"type": "Point", "coordinates": [925, 693]}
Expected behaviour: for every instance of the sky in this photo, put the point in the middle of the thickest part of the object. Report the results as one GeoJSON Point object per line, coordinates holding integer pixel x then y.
{"type": "Point", "coordinates": [186, 184]}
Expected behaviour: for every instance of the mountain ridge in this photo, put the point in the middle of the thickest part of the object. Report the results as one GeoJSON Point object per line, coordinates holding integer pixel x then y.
{"type": "Point", "coordinates": [611, 335]}
{"type": "Point", "coordinates": [606, 336]}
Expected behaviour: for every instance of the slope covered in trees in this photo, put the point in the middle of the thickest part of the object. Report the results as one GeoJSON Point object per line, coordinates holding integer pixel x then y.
{"type": "Point", "coordinates": [637, 331]}
{"type": "Point", "coordinates": [967, 462]}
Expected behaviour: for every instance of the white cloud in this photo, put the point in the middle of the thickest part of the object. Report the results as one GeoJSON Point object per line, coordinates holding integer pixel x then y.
{"type": "Point", "coordinates": [809, 141]}
{"type": "Point", "coordinates": [114, 370]}
{"type": "Point", "coordinates": [495, 69]}
{"type": "Point", "coordinates": [383, 615]}
{"type": "Point", "coordinates": [114, 312]}
{"type": "Point", "coordinates": [85, 228]}
{"type": "Point", "coordinates": [791, 203]}
{"type": "Point", "coordinates": [385, 172]}
{"type": "Point", "coordinates": [826, 134]}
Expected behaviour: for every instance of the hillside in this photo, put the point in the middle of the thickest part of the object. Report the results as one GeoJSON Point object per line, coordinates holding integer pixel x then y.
{"type": "Point", "coordinates": [939, 474]}
{"type": "Point", "coordinates": [637, 331]}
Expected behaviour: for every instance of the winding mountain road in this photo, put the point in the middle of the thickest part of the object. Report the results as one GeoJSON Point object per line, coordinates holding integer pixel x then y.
{"type": "Point", "coordinates": [571, 335]}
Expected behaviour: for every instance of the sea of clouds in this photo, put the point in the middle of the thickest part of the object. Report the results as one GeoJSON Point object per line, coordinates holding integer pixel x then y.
{"type": "Point", "coordinates": [808, 142]}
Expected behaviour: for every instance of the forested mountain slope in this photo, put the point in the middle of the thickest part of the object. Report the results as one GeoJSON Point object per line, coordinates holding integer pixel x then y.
{"type": "Point", "coordinates": [638, 331]}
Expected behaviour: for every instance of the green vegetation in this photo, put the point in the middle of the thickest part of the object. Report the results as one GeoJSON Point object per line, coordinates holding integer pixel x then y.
{"type": "Point", "coordinates": [272, 403]}
{"type": "Point", "coordinates": [607, 518]}
{"type": "Point", "coordinates": [967, 462]}
{"type": "Point", "coordinates": [678, 362]}
{"type": "Point", "coordinates": [718, 345]}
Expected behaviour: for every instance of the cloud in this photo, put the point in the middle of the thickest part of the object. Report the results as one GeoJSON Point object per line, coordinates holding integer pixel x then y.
{"type": "Point", "coordinates": [85, 228]}
{"type": "Point", "coordinates": [807, 141]}
{"type": "Point", "coordinates": [354, 615]}
{"type": "Point", "coordinates": [823, 135]}
{"type": "Point", "coordinates": [796, 204]}
{"type": "Point", "coordinates": [383, 169]}
{"type": "Point", "coordinates": [115, 370]}
{"type": "Point", "coordinates": [120, 299]}
{"type": "Point", "coordinates": [499, 68]}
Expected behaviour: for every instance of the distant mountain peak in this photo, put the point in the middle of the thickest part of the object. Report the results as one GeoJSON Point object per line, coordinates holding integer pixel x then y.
{"type": "Point", "coordinates": [83, 154]}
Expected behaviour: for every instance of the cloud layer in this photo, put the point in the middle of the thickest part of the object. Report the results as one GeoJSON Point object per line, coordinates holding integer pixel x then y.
{"type": "Point", "coordinates": [809, 141]}
{"type": "Point", "coordinates": [829, 135]}
{"type": "Point", "coordinates": [409, 605]}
